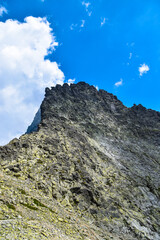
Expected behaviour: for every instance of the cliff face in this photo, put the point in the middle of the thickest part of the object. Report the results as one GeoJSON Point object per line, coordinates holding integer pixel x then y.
{"type": "Point", "coordinates": [91, 171]}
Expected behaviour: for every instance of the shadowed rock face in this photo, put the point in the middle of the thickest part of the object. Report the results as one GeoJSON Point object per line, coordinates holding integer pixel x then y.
{"type": "Point", "coordinates": [91, 171]}
{"type": "Point", "coordinates": [36, 121]}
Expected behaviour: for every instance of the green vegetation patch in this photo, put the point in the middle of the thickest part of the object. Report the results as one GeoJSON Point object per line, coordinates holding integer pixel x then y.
{"type": "Point", "coordinates": [38, 203]}
{"type": "Point", "coordinates": [29, 206]}
{"type": "Point", "coordinates": [22, 191]}
{"type": "Point", "coordinates": [11, 206]}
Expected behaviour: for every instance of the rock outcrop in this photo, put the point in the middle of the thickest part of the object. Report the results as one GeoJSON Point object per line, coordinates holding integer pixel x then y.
{"type": "Point", "coordinates": [36, 121]}
{"type": "Point", "coordinates": [91, 170]}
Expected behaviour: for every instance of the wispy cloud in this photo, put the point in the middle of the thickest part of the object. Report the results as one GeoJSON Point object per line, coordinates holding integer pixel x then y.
{"type": "Point", "coordinates": [103, 21]}
{"type": "Point", "coordinates": [89, 13]}
{"type": "Point", "coordinates": [96, 87]}
{"type": "Point", "coordinates": [82, 23]}
{"type": "Point", "coordinates": [130, 44]}
{"type": "Point", "coordinates": [73, 26]}
{"type": "Point", "coordinates": [2, 11]}
{"type": "Point", "coordinates": [119, 83]}
{"type": "Point", "coordinates": [77, 26]}
{"type": "Point", "coordinates": [130, 55]}
{"type": "Point", "coordinates": [143, 69]}
{"type": "Point", "coordinates": [87, 6]}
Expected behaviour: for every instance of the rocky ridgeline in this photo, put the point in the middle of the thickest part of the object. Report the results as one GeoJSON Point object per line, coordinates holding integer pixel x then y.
{"type": "Point", "coordinates": [88, 168]}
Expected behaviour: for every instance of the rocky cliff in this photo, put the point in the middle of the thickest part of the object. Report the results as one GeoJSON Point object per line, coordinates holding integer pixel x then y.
{"type": "Point", "coordinates": [89, 171]}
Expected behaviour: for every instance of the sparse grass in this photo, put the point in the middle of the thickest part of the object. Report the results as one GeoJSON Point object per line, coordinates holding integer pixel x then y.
{"type": "Point", "coordinates": [11, 206]}
{"type": "Point", "coordinates": [38, 203]}
{"type": "Point", "coordinates": [29, 206]}
{"type": "Point", "coordinates": [22, 191]}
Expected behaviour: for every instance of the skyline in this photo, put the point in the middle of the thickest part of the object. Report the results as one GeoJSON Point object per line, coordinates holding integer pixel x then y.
{"type": "Point", "coordinates": [112, 45]}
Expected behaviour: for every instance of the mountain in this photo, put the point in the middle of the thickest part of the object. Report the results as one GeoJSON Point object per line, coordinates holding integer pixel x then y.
{"type": "Point", "coordinates": [36, 121]}
{"type": "Point", "coordinates": [88, 168]}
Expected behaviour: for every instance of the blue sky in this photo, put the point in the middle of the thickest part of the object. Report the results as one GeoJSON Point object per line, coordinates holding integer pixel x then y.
{"type": "Point", "coordinates": [114, 45]}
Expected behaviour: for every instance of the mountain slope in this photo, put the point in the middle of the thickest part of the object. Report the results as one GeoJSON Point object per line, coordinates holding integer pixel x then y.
{"type": "Point", "coordinates": [91, 171]}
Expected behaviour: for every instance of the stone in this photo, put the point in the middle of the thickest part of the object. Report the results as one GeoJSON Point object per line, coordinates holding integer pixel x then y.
{"type": "Point", "coordinates": [88, 168]}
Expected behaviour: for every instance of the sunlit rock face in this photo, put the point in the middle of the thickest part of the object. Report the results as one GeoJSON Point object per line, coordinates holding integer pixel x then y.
{"type": "Point", "coordinates": [87, 169]}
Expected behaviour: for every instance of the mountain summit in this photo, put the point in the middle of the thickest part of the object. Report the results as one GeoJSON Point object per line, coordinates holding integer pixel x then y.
{"type": "Point", "coordinates": [88, 168]}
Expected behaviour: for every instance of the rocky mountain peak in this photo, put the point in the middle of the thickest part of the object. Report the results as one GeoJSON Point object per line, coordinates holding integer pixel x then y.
{"type": "Point", "coordinates": [88, 168]}
{"type": "Point", "coordinates": [78, 102]}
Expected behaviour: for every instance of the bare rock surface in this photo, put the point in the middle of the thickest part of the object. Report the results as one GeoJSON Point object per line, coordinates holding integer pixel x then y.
{"type": "Point", "coordinates": [90, 171]}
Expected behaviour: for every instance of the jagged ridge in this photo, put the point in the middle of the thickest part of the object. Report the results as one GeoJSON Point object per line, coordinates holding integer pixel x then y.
{"type": "Point", "coordinates": [91, 171]}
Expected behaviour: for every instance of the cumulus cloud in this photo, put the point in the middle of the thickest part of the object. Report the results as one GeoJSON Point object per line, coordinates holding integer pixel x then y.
{"type": "Point", "coordinates": [117, 84]}
{"type": "Point", "coordinates": [143, 69]}
{"type": "Point", "coordinates": [2, 11]}
{"type": "Point", "coordinates": [70, 81]}
{"type": "Point", "coordinates": [24, 72]}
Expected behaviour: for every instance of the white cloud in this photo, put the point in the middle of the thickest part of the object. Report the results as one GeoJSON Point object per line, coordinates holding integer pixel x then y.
{"type": "Point", "coordinates": [24, 72]}
{"type": "Point", "coordinates": [73, 26]}
{"type": "Point", "coordinates": [103, 21]}
{"type": "Point", "coordinates": [117, 84]}
{"type": "Point", "coordinates": [2, 11]}
{"type": "Point", "coordinates": [96, 87]}
{"type": "Point", "coordinates": [130, 55]}
{"type": "Point", "coordinates": [87, 6]}
{"type": "Point", "coordinates": [70, 81]}
{"type": "Point", "coordinates": [130, 44]}
{"type": "Point", "coordinates": [89, 13]}
{"type": "Point", "coordinates": [143, 69]}
{"type": "Point", "coordinates": [82, 23]}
